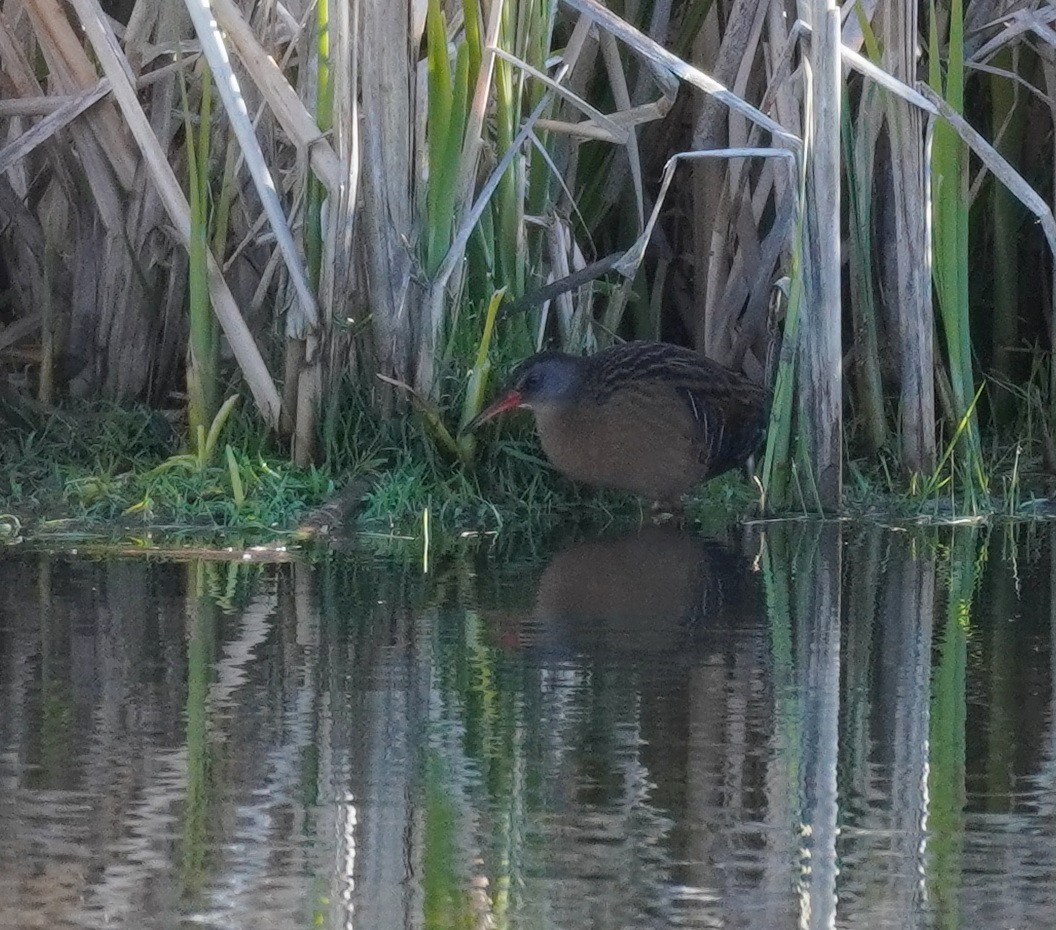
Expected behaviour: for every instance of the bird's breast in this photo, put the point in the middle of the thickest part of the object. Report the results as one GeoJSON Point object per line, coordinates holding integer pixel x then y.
{"type": "Point", "coordinates": [643, 442]}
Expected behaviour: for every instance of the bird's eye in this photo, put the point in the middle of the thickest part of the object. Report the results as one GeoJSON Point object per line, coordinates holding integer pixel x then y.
{"type": "Point", "coordinates": [530, 382]}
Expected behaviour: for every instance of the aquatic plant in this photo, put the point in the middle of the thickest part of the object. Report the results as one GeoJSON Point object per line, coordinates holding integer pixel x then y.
{"type": "Point", "coordinates": [363, 184]}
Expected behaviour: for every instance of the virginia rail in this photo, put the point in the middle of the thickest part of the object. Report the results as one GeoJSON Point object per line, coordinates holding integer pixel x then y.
{"type": "Point", "coordinates": [647, 417]}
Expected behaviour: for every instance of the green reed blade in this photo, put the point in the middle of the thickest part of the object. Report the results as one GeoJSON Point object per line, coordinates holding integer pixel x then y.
{"type": "Point", "coordinates": [950, 237]}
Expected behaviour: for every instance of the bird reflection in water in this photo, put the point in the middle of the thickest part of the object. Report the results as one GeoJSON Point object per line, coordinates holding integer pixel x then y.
{"type": "Point", "coordinates": [658, 589]}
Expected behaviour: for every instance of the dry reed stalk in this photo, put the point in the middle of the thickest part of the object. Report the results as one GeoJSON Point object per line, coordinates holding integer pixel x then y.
{"type": "Point", "coordinates": [616, 132]}
{"type": "Point", "coordinates": [337, 283]}
{"type": "Point", "coordinates": [557, 241]}
{"type": "Point", "coordinates": [588, 129]}
{"type": "Point", "coordinates": [866, 316]}
{"type": "Point", "coordinates": [745, 251]}
{"type": "Point", "coordinates": [749, 209]}
{"type": "Point", "coordinates": [338, 265]}
{"type": "Point", "coordinates": [19, 330]}
{"type": "Point", "coordinates": [34, 106]}
{"type": "Point", "coordinates": [907, 270]}
{"type": "Point", "coordinates": [622, 97]}
{"type": "Point", "coordinates": [632, 258]}
{"type": "Point", "coordinates": [163, 259]}
{"type": "Point", "coordinates": [388, 103]}
{"type": "Point", "coordinates": [820, 353]}
{"type": "Point", "coordinates": [57, 120]}
{"type": "Point", "coordinates": [852, 35]}
{"type": "Point", "coordinates": [734, 236]}
{"type": "Point", "coordinates": [1018, 25]}
{"type": "Point", "coordinates": [244, 348]}
{"type": "Point", "coordinates": [115, 285]}
{"type": "Point", "coordinates": [69, 63]}
{"type": "Point", "coordinates": [303, 318]}
{"type": "Point", "coordinates": [81, 291]}
{"type": "Point", "coordinates": [662, 58]}
{"type": "Point", "coordinates": [652, 152]}
{"type": "Point", "coordinates": [297, 122]}
{"type": "Point", "coordinates": [715, 129]}
{"type": "Point", "coordinates": [26, 262]}
{"type": "Point", "coordinates": [100, 178]}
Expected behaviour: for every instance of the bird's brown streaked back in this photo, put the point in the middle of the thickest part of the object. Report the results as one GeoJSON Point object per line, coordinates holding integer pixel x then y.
{"type": "Point", "coordinates": [729, 407]}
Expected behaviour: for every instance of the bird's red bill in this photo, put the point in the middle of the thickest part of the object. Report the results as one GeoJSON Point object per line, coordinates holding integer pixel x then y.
{"type": "Point", "coordinates": [507, 402]}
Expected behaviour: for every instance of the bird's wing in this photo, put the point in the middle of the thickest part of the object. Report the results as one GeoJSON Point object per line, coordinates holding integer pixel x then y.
{"type": "Point", "coordinates": [729, 409]}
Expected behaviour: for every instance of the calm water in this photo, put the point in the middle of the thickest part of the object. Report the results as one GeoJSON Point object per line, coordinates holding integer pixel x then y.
{"type": "Point", "coordinates": [807, 727]}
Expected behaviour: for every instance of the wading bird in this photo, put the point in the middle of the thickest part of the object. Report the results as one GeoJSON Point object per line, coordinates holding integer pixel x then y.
{"type": "Point", "coordinates": [647, 417]}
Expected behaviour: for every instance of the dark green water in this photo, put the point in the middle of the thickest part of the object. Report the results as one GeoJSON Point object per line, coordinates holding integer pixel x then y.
{"type": "Point", "coordinates": [802, 727]}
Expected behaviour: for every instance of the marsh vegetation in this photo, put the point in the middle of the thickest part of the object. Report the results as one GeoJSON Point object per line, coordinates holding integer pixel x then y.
{"type": "Point", "coordinates": [353, 215]}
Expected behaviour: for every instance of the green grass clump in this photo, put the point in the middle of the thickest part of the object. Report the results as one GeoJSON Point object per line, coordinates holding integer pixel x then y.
{"type": "Point", "coordinates": [103, 465]}
{"type": "Point", "coordinates": [508, 488]}
{"type": "Point", "coordinates": [509, 484]}
{"type": "Point", "coordinates": [1020, 487]}
{"type": "Point", "coordinates": [102, 468]}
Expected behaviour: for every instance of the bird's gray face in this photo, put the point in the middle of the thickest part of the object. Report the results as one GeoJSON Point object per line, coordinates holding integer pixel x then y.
{"type": "Point", "coordinates": [549, 379]}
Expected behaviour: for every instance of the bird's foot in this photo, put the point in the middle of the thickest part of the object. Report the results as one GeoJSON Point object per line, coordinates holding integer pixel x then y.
{"type": "Point", "coordinates": [664, 512]}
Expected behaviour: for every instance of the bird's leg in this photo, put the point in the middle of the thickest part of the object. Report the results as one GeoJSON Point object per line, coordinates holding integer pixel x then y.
{"type": "Point", "coordinates": [666, 511]}
{"type": "Point", "coordinates": [659, 512]}
{"type": "Point", "coordinates": [762, 492]}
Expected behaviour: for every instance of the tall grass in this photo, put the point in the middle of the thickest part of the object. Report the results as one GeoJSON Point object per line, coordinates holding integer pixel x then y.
{"type": "Point", "coordinates": [778, 466]}
{"type": "Point", "coordinates": [949, 166]}
{"type": "Point", "coordinates": [202, 342]}
{"type": "Point", "coordinates": [447, 102]}
{"type": "Point", "coordinates": [324, 117]}
{"type": "Point", "coordinates": [505, 146]}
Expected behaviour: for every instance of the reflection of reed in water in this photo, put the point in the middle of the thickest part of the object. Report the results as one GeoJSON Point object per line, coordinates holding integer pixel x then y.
{"type": "Point", "coordinates": [654, 590]}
